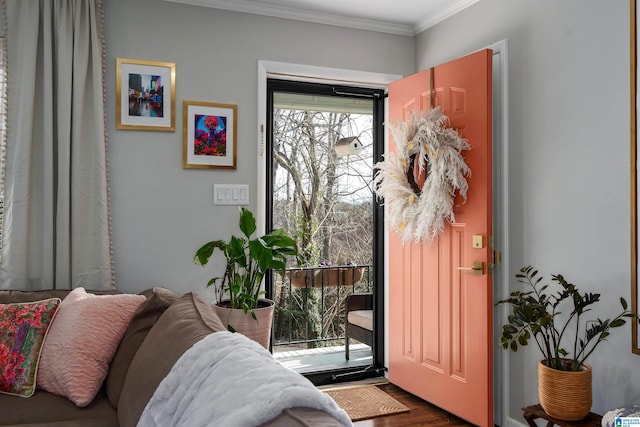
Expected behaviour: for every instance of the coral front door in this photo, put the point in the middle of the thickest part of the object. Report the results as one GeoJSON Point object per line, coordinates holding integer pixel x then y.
{"type": "Point", "coordinates": [440, 309]}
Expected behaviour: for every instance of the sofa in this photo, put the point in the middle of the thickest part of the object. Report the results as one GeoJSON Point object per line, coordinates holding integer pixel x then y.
{"type": "Point", "coordinates": [161, 329]}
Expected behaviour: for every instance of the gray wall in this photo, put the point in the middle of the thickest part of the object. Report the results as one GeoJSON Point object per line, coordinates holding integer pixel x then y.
{"type": "Point", "coordinates": [568, 82]}
{"type": "Point", "coordinates": [161, 213]}
{"type": "Point", "coordinates": [568, 142]}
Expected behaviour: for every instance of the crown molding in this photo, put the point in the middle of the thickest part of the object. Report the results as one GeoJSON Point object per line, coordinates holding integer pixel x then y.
{"type": "Point", "coordinates": [303, 15]}
{"type": "Point", "coordinates": [442, 15]}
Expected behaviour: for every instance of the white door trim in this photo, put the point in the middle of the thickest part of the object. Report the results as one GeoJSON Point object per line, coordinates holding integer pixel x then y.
{"type": "Point", "coordinates": [502, 272]}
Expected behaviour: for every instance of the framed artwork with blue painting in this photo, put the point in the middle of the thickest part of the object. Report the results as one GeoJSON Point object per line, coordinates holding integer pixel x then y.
{"type": "Point", "coordinates": [210, 131]}
{"type": "Point", "coordinates": [145, 95]}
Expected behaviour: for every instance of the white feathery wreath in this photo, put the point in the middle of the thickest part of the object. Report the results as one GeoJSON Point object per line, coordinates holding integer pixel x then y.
{"type": "Point", "coordinates": [421, 217]}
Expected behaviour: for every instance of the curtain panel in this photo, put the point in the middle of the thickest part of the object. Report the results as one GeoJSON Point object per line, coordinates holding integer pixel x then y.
{"type": "Point", "coordinates": [56, 228]}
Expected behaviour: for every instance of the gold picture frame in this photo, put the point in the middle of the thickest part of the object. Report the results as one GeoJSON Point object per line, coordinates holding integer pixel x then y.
{"type": "Point", "coordinates": [210, 135]}
{"type": "Point", "coordinates": [145, 95]}
{"type": "Point", "coordinates": [635, 294]}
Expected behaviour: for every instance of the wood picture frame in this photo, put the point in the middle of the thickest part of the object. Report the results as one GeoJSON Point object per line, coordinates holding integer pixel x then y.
{"type": "Point", "coordinates": [145, 95]}
{"type": "Point", "coordinates": [635, 294]}
{"type": "Point", "coordinates": [210, 135]}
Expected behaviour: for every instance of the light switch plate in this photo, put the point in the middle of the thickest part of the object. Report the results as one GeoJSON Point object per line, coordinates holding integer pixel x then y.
{"type": "Point", "coordinates": [231, 194]}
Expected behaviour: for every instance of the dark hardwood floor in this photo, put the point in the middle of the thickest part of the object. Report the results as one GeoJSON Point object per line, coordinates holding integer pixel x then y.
{"type": "Point", "coordinates": [421, 413]}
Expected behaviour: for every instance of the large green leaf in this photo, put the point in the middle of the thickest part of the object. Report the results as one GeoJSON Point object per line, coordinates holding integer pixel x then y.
{"type": "Point", "coordinates": [277, 265]}
{"type": "Point", "coordinates": [261, 253]}
{"type": "Point", "coordinates": [236, 250]}
{"type": "Point", "coordinates": [205, 251]}
{"type": "Point", "coordinates": [247, 222]}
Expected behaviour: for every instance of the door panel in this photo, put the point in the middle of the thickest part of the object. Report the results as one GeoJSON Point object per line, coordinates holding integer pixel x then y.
{"type": "Point", "coordinates": [440, 325]}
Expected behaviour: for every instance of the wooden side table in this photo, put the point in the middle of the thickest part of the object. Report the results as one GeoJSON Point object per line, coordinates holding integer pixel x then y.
{"type": "Point", "coordinates": [532, 413]}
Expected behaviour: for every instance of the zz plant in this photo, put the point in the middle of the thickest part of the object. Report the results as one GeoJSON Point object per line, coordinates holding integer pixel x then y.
{"type": "Point", "coordinates": [248, 260]}
{"type": "Point", "coordinates": [537, 314]}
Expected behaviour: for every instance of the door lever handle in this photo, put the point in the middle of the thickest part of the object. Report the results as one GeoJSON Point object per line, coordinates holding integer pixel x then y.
{"type": "Point", "coordinates": [477, 268]}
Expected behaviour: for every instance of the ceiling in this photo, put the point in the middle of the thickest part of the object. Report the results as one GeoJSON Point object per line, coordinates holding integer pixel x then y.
{"type": "Point", "coordinates": [404, 17]}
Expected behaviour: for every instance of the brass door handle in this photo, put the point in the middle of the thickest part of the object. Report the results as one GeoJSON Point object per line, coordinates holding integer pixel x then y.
{"type": "Point", "coordinates": [477, 268]}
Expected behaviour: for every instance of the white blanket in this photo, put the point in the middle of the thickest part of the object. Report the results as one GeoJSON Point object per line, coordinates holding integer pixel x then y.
{"type": "Point", "coordinates": [228, 380]}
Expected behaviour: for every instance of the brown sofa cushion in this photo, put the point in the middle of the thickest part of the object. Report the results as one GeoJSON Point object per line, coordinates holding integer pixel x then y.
{"type": "Point", "coordinates": [7, 297]}
{"type": "Point", "coordinates": [185, 322]}
{"type": "Point", "coordinates": [158, 300]}
{"type": "Point", "coordinates": [46, 409]}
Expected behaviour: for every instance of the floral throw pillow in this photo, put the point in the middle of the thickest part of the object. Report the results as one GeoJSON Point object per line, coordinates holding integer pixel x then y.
{"type": "Point", "coordinates": [23, 327]}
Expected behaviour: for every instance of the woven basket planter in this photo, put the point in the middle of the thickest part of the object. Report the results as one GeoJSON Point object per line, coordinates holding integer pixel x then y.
{"type": "Point", "coordinates": [246, 325]}
{"type": "Point", "coordinates": [564, 395]}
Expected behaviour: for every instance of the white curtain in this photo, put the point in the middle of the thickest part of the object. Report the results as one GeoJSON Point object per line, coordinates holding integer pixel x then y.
{"type": "Point", "coordinates": [56, 228]}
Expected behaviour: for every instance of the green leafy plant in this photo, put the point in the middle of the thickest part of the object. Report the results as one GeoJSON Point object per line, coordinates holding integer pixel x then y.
{"type": "Point", "coordinates": [537, 314]}
{"type": "Point", "coordinates": [248, 260]}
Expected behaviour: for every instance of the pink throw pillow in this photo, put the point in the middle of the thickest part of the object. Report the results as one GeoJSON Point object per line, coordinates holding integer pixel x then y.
{"type": "Point", "coordinates": [82, 341]}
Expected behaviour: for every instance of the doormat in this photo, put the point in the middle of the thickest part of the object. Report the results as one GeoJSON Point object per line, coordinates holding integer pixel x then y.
{"type": "Point", "coordinates": [364, 402]}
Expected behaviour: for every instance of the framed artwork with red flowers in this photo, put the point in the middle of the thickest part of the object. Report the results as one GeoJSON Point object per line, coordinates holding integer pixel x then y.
{"type": "Point", "coordinates": [210, 135]}
{"type": "Point", "coordinates": [145, 95]}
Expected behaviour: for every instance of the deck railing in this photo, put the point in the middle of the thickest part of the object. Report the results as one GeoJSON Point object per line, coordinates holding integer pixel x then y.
{"type": "Point", "coordinates": [310, 309]}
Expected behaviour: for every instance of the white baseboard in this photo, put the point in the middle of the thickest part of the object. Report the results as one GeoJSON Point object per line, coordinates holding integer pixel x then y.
{"type": "Point", "coordinates": [512, 422]}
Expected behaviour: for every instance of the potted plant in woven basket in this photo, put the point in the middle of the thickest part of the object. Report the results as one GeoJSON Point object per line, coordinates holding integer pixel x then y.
{"type": "Point", "coordinates": [238, 291]}
{"type": "Point", "coordinates": [564, 378]}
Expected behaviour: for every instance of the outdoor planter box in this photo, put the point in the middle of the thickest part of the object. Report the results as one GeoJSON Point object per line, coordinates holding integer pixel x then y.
{"type": "Point", "coordinates": [326, 276]}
